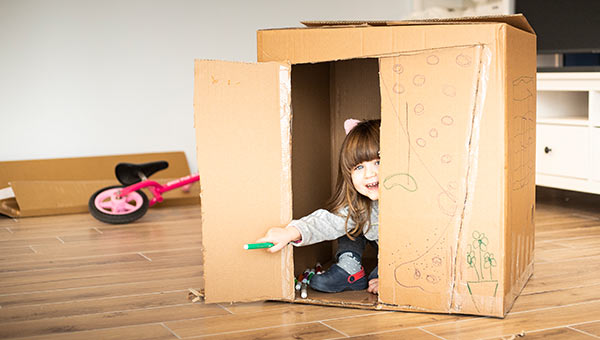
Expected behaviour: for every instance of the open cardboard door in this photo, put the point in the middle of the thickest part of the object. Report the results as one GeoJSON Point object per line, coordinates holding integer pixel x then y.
{"type": "Point", "coordinates": [243, 122]}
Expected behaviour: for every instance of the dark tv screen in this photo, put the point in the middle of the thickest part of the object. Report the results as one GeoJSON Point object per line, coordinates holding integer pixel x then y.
{"type": "Point", "coordinates": [563, 26]}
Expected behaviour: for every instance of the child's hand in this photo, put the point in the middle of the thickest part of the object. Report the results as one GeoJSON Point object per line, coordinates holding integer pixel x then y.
{"type": "Point", "coordinates": [280, 237]}
{"type": "Point", "coordinates": [373, 286]}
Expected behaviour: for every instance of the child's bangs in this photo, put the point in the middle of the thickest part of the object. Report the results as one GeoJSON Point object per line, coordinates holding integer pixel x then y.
{"type": "Point", "coordinates": [361, 149]}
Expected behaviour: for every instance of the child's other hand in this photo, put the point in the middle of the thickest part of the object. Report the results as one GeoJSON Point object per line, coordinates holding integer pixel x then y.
{"type": "Point", "coordinates": [373, 286]}
{"type": "Point", "coordinates": [280, 237]}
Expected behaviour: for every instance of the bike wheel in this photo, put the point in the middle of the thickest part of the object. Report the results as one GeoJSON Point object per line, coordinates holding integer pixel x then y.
{"type": "Point", "coordinates": [107, 206]}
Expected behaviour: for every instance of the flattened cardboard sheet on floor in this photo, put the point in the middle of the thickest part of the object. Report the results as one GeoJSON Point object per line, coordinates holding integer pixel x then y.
{"type": "Point", "coordinates": [63, 186]}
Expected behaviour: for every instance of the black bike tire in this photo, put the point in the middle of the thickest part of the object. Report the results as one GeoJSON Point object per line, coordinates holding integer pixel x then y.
{"type": "Point", "coordinates": [117, 219]}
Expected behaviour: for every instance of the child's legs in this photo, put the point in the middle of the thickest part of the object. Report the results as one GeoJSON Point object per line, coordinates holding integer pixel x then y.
{"type": "Point", "coordinates": [356, 246]}
{"type": "Point", "coordinates": [347, 273]}
{"type": "Point", "coordinates": [374, 273]}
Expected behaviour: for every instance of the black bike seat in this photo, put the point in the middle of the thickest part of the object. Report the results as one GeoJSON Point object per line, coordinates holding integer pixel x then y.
{"type": "Point", "coordinates": [129, 173]}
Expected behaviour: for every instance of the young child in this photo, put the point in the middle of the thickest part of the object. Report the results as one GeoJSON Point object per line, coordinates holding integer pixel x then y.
{"type": "Point", "coordinates": [352, 215]}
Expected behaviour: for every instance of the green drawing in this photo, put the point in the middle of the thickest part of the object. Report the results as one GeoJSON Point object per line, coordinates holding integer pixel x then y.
{"type": "Point", "coordinates": [489, 262]}
{"type": "Point", "coordinates": [485, 260]}
{"type": "Point", "coordinates": [479, 259]}
{"type": "Point", "coordinates": [396, 179]}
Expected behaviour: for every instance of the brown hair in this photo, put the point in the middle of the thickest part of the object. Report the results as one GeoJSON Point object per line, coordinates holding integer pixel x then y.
{"type": "Point", "coordinates": [360, 145]}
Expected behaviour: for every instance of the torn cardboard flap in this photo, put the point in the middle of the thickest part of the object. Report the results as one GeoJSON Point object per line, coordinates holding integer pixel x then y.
{"type": "Point", "coordinates": [63, 186]}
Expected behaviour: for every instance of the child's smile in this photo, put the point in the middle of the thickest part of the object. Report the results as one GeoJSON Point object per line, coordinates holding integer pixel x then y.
{"type": "Point", "coordinates": [365, 178]}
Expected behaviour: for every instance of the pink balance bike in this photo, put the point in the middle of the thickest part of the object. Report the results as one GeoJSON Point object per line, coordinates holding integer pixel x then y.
{"type": "Point", "coordinates": [119, 204]}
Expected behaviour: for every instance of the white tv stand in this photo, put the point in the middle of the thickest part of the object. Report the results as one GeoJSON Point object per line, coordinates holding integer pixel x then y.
{"type": "Point", "coordinates": [568, 131]}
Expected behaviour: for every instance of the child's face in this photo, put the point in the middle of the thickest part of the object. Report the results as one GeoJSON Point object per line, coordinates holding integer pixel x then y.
{"type": "Point", "coordinates": [365, 178]}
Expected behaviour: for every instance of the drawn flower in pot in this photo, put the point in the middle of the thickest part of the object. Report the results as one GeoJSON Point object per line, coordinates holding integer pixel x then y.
{"type": "Point", "coordinates": [478, 258]}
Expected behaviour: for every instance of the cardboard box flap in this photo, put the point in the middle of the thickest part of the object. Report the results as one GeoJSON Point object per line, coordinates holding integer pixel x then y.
{"type": "Point", "coordinates": [243, 123]}
{"type": "Point", "coordinates": [515, 20]}
{"type": "Point", "coordinates": [63, 186]}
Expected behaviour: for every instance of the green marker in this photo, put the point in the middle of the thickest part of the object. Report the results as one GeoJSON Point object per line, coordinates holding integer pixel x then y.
{"type": "Point", "coordinates": [258, 245]}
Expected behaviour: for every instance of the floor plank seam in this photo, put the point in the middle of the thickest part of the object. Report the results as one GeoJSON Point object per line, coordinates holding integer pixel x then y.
{"type": "Point", "coordinates": [559, 290]}
{"type": "Point", "coordinates": [63, 267]}
{"type": "Point", "coordinates": [170, 330]}
{"type": "Point", "coordinates": [87, 287]}
{"type": "Point", "coordinates": [144, 256]}
{"type": "Point", "coordinates": [96, 329]}
{"type": "Point", "coordinates": [590, 217]}
{"type": "Point", "coordinates": [98, 299]}
{"type": "Point", "coordinates": [268, 327]}
{"type": "Point", "coordinates": [119, 254]}
{"type": "Point", "coordinates": [559, 240]}
{"type": "Point", "coordinates": [511, 336]}
{"type": "Point", "coordinates": [431, 333]}
{"type": "Point", "coordinates": [555, 242]}
{"type": "Point", "coordinates": [555, 307]}
{"type": "Point", "coordinates": [584, 332]}
{"type": "Point", "coordinates": [333, 329]}
{"type": "Point", "coordinates": [467, 318]}
{"type": "Point", "coordinates": [572, 259]}
{"type": "Point", "coordinates": [373, 313]}
{"type": "Point", "coordinates": [226, 309]}
{"type": "Point", "coordinates": [525, 332]}
{"type": "Point", "coordinates": [583, 323]}
{"type": "Point", "coordinates": [248, 329]}
{"type": "Point", "coordinates": [157, 271]}
{"type": "Point", "coordinates": [115, 311]}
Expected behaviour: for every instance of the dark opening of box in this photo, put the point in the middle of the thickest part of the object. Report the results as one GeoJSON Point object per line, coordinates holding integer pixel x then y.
{"type": "Point", "coordinates": [324, 95]}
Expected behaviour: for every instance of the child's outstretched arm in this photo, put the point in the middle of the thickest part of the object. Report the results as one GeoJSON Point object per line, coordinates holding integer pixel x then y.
{"type": "Point", "coordinates": [280, 237]}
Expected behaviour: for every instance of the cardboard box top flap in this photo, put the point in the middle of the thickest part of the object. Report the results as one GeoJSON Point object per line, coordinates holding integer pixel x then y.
{"type": "Point", "coordinates": [242, 118]}
{"type": "Point", "coordinates": [324, 44]}
{"type": "Point", "coordinates": [515, 20]}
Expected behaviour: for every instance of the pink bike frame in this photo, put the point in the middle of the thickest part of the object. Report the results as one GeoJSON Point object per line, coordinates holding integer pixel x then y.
{"type": "Point", "coordinates": [156, 189]}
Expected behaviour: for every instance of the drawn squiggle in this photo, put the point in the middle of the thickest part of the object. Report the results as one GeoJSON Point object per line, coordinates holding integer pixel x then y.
{"type": "Point", "coordinates": [410, 184]}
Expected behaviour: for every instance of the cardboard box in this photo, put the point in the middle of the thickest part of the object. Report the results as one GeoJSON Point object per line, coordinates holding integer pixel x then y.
{"type": "Point", "coordinates": [63, 186]}
{"type": "Point", "coordinates": [457, 103]}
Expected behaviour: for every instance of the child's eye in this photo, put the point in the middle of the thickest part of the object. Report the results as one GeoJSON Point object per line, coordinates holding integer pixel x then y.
{"type": "Point", "coordinates": [377, 162]}
{"type": "Point", "coordinates": [358, 167]}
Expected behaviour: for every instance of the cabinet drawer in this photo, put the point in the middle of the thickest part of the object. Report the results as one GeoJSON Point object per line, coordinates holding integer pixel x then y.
{"type": "Point", "coordinates": [595, 154]}
{"type": "Point", "coordinates": [563, 150]}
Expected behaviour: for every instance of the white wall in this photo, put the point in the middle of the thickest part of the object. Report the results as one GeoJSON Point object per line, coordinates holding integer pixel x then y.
{"type": "Point", "coordinates": [89, 77]}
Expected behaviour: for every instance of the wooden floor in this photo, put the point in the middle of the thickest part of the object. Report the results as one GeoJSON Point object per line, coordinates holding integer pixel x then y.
{"type": "Point", "coordinates": [72, 277]}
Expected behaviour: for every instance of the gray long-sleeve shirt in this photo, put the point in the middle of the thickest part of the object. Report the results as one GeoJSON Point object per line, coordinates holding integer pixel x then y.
{"type": "Point", "coordinates": [323, 225]}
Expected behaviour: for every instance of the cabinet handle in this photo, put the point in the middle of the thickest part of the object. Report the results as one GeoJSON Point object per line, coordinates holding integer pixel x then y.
{"type": "Point", "coordinates": [547, 150]}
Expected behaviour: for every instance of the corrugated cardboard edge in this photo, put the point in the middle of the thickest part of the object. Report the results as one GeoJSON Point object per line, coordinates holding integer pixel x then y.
{"type": "Point", "coordinates": [515, 20]}
{"type": "Point", "coordinates": [379, 306]}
